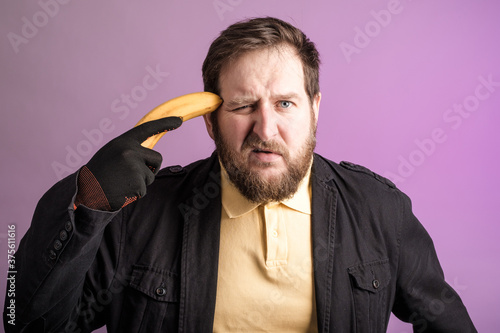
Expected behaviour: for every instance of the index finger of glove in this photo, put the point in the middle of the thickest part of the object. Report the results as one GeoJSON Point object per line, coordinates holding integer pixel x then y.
{"type": "Point", "coordinates": [150, 128]}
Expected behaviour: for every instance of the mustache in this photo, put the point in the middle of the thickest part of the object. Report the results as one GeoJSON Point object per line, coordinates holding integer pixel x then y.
{"type": "Point", "coordinates": [254, 142]}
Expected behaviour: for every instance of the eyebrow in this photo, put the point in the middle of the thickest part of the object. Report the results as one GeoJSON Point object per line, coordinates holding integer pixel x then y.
{"type": "Point", "coordinates": [238, 101]}
{"type": "Point", "coordinates": [287, 96]}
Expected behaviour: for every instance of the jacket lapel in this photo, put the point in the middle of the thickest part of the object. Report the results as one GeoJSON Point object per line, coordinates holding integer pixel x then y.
{"type": "Point", "coordinates": [324, 204]}
{"type": "Point", "coordinates": [200, 253]}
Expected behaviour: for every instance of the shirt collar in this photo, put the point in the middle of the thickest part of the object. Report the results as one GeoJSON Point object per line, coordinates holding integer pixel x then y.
{"type": "Point", "coordinates": [301, 200]}
{"type": "Point", "coordinates": [236, 205]}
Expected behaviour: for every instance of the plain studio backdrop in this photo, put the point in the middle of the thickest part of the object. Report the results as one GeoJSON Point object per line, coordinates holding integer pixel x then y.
{"type": "Point", "coordinates": [411, 89]}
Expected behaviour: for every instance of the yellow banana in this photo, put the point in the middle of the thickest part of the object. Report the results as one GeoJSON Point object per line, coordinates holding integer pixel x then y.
{"type": "Point", "coordinates": [186, 107]}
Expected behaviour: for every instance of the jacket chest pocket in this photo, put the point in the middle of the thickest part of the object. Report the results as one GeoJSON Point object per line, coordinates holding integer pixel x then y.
{"type": "Point", "coordinates": [368, 284]}
{"type": "Point", "coordinates": [152, 301]}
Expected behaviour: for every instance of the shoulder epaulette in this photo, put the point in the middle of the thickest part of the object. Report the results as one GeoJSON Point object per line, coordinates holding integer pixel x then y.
{"type": "Point", "coordinates": [171, 170]}
{"type": "Point", "coordinates": [362, 169]}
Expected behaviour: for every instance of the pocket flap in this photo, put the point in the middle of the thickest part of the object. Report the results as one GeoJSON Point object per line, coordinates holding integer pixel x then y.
{"type": "Point", "coordinates": [161, 285]}
{"type": "Point", "coordinates": [372, 276]}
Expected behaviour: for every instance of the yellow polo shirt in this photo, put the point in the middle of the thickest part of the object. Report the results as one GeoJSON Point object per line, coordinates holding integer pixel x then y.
{"type": "Point", "coordinates": [265, 280]}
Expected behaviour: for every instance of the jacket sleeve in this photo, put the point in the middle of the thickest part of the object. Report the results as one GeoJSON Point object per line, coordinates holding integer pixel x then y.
{"type": "Point", "coordinates": [423, 298]}
{"type": "Point", "coordinates": [53, 289]}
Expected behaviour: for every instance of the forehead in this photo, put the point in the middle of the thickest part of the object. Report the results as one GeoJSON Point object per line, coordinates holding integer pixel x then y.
{"type": "Point", "coordinates": [272, 68]}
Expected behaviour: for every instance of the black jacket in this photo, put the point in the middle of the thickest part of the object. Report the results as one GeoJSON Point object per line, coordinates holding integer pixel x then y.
{"type": "Point", "coordinates": [152, 266]}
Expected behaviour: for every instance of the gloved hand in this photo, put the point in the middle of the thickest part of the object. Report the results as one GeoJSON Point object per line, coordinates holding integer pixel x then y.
{"type": "Point", "coordinates": [123, 168]}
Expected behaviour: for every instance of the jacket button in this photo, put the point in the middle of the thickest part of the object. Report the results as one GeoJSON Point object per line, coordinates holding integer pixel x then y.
{"type": "Point", "coordinates": [376, 283]}
{"type": "Point", "coordinates": [52, 255]}
{"type": "Point", "coordinates": [68, 226]}
{"type": "Point", "coordinates": [175, 169]}
{"type": "Point", "coordinates": [63, 235]}
{"type": "Point", "coordinates": [57, 244]}
{"type": "Point", "coordinates": [160, 291]}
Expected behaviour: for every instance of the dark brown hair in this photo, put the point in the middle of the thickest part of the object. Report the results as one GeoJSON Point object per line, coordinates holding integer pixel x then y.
{"type": "Point", "coordinates": [257, 33]}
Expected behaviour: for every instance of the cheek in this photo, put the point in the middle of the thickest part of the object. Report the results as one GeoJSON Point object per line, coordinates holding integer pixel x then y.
{"type": "Point", "coordinates": [295, 132]}
{"type": "Point", "coordinates": [234, 130]}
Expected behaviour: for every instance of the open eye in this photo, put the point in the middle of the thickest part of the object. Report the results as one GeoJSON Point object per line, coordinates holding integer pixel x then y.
{"type": "Point", "coordinates": [285, 104]}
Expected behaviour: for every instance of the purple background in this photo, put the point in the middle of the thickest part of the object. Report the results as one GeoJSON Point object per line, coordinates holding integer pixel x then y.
{"type": "Point", "coordinates": [381, 103]}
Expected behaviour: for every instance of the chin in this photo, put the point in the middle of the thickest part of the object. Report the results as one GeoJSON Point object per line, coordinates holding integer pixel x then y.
{"type": "Point", "coordinates": [269, 172]}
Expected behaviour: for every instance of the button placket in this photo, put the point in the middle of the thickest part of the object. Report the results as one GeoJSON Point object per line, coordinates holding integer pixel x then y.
{"type": "Point", "coordinates": [58, 244]}
{"type": "Point", "coordinates": [277, 246]}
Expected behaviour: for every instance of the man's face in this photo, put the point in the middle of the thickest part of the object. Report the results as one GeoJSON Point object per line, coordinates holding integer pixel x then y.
{"type": "Point", "coordinates": [265, 128]}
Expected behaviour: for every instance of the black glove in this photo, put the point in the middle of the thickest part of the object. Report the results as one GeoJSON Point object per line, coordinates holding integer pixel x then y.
{"type": "Point", "coordinates": [123, 168]}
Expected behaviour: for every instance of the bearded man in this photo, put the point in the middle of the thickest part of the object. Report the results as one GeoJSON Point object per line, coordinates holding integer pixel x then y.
{"type": "Point", "coordinates": [264, 235]}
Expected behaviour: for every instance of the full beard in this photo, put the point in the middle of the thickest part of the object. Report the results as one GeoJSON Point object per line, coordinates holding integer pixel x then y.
{"type": "Point", "coordinates": [249, 182]}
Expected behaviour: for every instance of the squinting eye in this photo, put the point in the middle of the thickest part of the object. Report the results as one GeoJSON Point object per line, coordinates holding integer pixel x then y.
{"type": "Point", "coordinates": [241, 108]}
{"type": "Point", "coordinates": [285, 104]}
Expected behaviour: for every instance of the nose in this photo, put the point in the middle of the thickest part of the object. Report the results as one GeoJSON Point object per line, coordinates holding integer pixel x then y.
{"type": "Point", "coordinates": [265, 122]}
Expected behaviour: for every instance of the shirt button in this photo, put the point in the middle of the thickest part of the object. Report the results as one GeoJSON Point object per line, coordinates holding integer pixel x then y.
{"type": "Point", "coordinates": [63, 235]}
{"type": "Point", "coordinates": [160, 291]}
{"type": "Point", "coordinates": [57, 244]}
{"type": "Point", "coordinates": [275, 234]}
{"type": "Point", "coordinates": [68, 226]}
{"type": "Point", "coordinates": [376, 283]}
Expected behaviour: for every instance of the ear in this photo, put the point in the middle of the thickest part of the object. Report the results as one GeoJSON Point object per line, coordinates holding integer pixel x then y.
{"type": "Point", "coordinates": [209, 125]}
{"type": "Point", "coordinates": [315, 105]}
